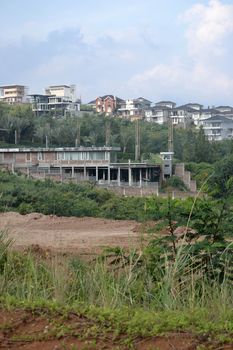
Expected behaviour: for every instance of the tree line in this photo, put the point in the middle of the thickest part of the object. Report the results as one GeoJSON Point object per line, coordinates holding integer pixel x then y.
{"type": "Point", "coordinates": [19, 125]}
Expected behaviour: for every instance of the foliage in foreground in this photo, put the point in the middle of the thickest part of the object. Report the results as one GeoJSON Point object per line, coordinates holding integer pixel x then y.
{"type": "Point", "coordinates": [168, 285]}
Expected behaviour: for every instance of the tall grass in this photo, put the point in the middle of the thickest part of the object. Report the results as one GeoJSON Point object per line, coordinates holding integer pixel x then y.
{"type": "Point", "coordinates": [70, 281]}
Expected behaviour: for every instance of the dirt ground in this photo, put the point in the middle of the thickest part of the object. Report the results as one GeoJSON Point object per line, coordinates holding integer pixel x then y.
{"type": "Point", "coordinates": [38, 330]}
{"type": "Point", "coordinates": [69, 234]}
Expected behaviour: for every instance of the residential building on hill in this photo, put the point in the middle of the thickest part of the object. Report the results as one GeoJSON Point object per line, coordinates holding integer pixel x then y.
{"type": "Point", "coordinates": [224, 109]}
{"type": "Point", "coordinates": [58, 99]}
{"type": "Point", "coordinates": [13, 94]}
{"type": "Point", "coordinates": [158, 114]}
{"type": "Point", "coordinates": [182, 116]}
{"type": "Point", "coordinates": [218, 128]}
{"type": "Point", "coordinates": [134, 109]}
{"type": "Point", "coordinates": [107, 104]}
{"type": "Point", "coordinates": [165, 104]}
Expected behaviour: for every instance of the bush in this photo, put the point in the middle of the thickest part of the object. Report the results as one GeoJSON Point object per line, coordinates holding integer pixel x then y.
{"type": "Point", "coordinates": [175, 182]}
{"type": "Point", "coordinates": [25, 208]}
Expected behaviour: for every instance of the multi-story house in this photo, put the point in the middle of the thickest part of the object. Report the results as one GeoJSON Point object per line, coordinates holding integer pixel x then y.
{"type": "Point", "coordinates": [182, 116]}
{"type": "Point", "coordinates": [134, 108]}
{"type": "Point", "coordinates": [59, 99]}
{"type": "Point", "coordinates": [218, 128]}
{"type": "Point", "coordinates": [157, 115]}
{"type": "Point", "coordinates": [196, 112]}
{"type": "Point", "coordinates": [107, 104]}
{"type": "Point", "coordinates": [13, 94]}
{"type": "Point", "coordinates": [160, 112]}
{"type": "Point", "coordinates": [224, 109]}
{"type": "Point", "coordinates": [165, 104]}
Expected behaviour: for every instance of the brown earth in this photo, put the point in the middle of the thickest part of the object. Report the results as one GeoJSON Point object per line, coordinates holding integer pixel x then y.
{"type": "Point", "coordinates": [69, 234]}
{"type": "Point", "coordinates": [40, 330]}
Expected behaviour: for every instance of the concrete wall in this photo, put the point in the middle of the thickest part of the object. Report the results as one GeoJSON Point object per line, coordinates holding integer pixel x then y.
{"type": "Point", "coordinates": [186, 177]}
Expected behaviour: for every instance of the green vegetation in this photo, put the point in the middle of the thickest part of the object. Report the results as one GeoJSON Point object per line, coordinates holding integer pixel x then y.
{"type": "Point", "coordinates": [174, 182]}
{"type": "Point", "coordinates": [181, 280]}
{"type": "Point", "coordinates": [167, 286]}
{"type": "Point", "coordinates": [90, 129]}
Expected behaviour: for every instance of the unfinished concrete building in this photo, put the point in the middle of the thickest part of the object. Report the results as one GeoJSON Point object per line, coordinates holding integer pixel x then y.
{"type": "Point", "coordinates": [98, 164]}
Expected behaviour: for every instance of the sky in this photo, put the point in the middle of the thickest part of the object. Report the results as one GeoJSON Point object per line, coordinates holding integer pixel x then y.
{"type": "Point", "coordinates": [179, 50]}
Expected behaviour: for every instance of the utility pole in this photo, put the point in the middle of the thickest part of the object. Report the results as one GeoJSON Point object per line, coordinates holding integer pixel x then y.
{"type": "Point", "coordinates": [46, 141]}
{"type": "Point", "coordinates": [107, 132]}
{"type": "Point", "coordinates": [16, 138]}
{"type": "Point", "coordinates": [48, 135]}
{"type": "Point", "coordinates": [78, 138]}
{"type": "Point", "coordinates": [170, 135]}
{"type": "Point", "coordinates": [137, 141]}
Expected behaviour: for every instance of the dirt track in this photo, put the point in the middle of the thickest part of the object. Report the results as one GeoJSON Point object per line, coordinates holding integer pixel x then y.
{"type": "Point", "coordinates": [68, 234]}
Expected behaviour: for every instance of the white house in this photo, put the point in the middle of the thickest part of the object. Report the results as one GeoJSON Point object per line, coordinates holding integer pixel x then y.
{"type": "Point", "coordinates": [134, 108]}
{"type": "Point", "coordinates": [58, 98]}
{"type": "Point", "coordinates": [218, 128]}
{"type": "Point", "coordinates": [157, 115]}
{"type": "Point", "coordinates": [13, 94]}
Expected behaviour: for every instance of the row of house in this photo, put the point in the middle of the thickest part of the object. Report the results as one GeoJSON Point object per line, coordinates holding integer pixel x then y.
{"type": "Point", "coordinates": [217, 122]}
{"type": "Point", "coordinates": [57, 99]}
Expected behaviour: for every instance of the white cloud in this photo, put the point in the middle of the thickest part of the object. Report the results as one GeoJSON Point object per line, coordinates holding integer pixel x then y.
{"type": "Point", "coordinates": [208, 26]}
{"type": "Point", "coordinates": [200, 72]}
{"type": "Point", "coordinates": [179, 81]}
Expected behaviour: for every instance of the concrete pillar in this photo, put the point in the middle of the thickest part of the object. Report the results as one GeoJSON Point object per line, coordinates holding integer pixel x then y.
{"type": "Point", "coordinates": [119, 177]}
{"type": "Point", "coordinates": [130, 176]}
{"type": "Point", "coordinates": [72, 174]}
{"type": "Point", "coordinates": [146, 176]}
{"type": "Point", "coordinates": [96, 174]}
{"type": "Point", "coordinates": [61, 173]}
{"type": "Point", "coordinates": [84, 172]}
{"type": "Point", "coordinates": [140, 177]}
{"type": "Point", "coordinates": [109, 175]}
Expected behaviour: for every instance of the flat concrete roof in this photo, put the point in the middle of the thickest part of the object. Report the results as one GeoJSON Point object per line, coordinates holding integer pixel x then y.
{"type": "Point", "coordinates": [60, 149]}
{"type": "Point", "coordinates": [12, 86]}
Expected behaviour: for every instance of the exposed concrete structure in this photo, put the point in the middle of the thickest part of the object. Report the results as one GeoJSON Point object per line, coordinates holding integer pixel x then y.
{"type": "Point", "coordinates": [167, 163]}
{"type": "Point", "coordinates": [98, 164]}
{"type": "Point", "coordinates": [186, 177]}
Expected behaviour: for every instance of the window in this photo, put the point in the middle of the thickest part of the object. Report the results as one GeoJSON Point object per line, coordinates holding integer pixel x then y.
{"type": "Point", "coordinates": [82, 156]}
{"type": "Point", "coordinates": [40, 156]}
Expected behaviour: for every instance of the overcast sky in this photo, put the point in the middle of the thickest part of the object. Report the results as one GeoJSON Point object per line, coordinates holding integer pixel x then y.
{"type": "Point", "coordinates": [179, 50]}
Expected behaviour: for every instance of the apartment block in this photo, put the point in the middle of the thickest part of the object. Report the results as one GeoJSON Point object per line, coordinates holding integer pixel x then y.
{"type": "Point", "coordinates": [58, 99]}
{"type": "Point", "coordinates": [13, 94]}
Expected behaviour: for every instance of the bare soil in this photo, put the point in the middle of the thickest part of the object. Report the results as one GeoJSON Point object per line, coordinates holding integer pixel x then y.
{"type": "Point", "coordinates": [36, 330]}
{"type": "Point", "coordinates": [69, 234]}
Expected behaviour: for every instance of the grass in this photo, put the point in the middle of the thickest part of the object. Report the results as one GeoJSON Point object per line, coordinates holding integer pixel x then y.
{"type": "Point", "coordinates": [126, 300]}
